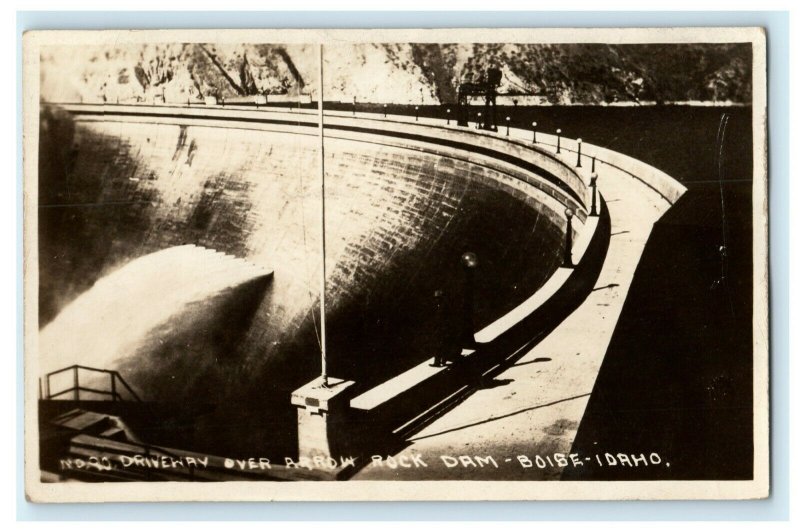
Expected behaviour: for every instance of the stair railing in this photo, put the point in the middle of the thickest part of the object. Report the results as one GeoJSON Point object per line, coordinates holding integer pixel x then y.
{"type": "Point", "coordinates": [117, 383]}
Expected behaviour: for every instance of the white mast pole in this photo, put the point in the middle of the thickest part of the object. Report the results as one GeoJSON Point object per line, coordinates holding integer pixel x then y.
{"type": "Point", "coordinates": [323, 336]}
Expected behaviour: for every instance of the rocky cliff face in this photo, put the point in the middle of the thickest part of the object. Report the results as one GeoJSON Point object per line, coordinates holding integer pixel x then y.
{"type": "Point", "coordinates": [401, 73]}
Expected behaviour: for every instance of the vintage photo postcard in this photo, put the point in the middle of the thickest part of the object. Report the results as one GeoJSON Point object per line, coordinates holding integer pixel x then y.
{"type": "Point", "coordinates": [331, 265]}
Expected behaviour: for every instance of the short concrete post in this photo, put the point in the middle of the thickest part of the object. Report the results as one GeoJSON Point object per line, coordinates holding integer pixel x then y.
{"type": "Point", "coordinates": [533, 126]}
{"type": "Point", "coordinates": [319, 408]}
{"type": "Point", "coordinates": [593, 184]}
{"type": "Point", "coordinates": [568, 240]}
{"type": "Point", "coordinates": [469, 261]}
{"type": "Point", "coordinates": [384, 110]}
{"type": "Point", "coordinates": [508, 125]}
{"type": "Point", "coordinates": [416, 113]}
{"type": "Point", "coordinates": [558, 141]}
{"type": "Point", "coordinates": [579, 153]}
{"type": "Point", "coordinates": [479, 124]}
{"type": "Point", "coordinates": [448, 116]}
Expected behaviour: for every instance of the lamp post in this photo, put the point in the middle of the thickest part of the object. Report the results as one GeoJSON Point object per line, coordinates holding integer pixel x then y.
{"type": "Point", "coordinates": [469, 261]}
{"type": "Point", "coordinates": [533, 127]}
{"type": "Point", "coordinates": [558, 141]}
{"type": "Point", "coordinates": [416, 113]}
{"type": "Point", "coordinates": [568, 239]}
{"type": "Point", "coordinates": [448, 116]}
{"type": "Point", "coordinates": [579, 153]}
{"type": "Point", "coordinates": [593, 184]}
{"type": "Point", "coordinates": [508, 125]}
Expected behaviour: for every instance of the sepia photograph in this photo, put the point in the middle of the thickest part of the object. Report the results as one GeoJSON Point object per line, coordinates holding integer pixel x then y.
{"type": "Point", "coordinates": [462, 264]}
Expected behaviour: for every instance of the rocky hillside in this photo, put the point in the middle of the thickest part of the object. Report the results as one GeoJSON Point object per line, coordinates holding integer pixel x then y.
{"type": "Point", "coordinates": [401, 73]}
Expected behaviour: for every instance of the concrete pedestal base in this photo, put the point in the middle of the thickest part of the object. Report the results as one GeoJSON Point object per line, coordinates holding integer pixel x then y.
{"type": "Point", "coordinates": [319, 409]}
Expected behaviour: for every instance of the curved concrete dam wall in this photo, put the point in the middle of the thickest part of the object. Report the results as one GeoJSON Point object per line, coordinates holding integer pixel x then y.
{"type": "Point", "coordinates": [398, 218]}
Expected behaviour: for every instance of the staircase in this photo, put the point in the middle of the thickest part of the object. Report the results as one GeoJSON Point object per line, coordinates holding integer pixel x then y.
{"type": "Point", "coordinates": [100, 448]}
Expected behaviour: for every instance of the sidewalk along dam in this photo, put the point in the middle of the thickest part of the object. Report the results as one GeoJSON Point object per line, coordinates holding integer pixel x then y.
{"type": "Point", "coordinates": [182, 248]}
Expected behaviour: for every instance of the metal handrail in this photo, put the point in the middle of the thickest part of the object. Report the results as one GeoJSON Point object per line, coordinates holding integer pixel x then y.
{"type": "Point", "coordinates": [77, 388]}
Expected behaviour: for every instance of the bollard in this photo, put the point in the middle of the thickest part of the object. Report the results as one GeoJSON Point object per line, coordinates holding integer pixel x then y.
{"type": "Point", "coordinates": [568, 240]}
{"type": "Point", "coordinates": [478, 123]}
{"type": "Point", "coordinates": [448, 116]}
{"type": "Point", "coordinates": [384, 110]}
{"type": "Point", "coordinates": [508, 125]}
{"type": "Point", "coordinates": [469, 261]}
{"type": "Point", "coordinates": [558, 141]}
{"type": "Point", "coordinates": [593, 184]}
{"type": "Point", "coordinates": [533, 126]}
{"type": "Point", "coordinates": [579, 153]}
{"type": "Point", "coordinates": [416, 113]}
{"type": "Point", "coordinates": [354, 106]}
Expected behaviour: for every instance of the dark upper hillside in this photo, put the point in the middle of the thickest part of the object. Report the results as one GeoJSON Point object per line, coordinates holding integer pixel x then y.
{"type": "Point", "coordinates": [402, 73]}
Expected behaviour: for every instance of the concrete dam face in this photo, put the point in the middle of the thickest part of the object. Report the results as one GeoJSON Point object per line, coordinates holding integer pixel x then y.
{"type": "Point", "coordinates": [113, 195]}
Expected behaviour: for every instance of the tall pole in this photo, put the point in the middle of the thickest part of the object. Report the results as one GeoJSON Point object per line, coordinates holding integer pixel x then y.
{"type": "Point", "coordinates": [469, 261]}
{"type": "Point", "coordinates": [323, 336]}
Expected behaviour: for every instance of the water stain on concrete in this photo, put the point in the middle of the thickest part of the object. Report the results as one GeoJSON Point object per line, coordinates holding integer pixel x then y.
{"type": "Point", "coordinates": [560, 427]}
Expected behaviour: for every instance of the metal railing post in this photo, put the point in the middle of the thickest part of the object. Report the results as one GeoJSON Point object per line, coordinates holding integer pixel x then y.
{"type": "Point", "coordinates": [593, 184]}
{"type": "Point", "coordinates": [568, 240]}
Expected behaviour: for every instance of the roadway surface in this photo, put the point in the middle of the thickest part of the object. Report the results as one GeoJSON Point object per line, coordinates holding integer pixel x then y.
{"type": "Point", "coordinates": [535, 406]}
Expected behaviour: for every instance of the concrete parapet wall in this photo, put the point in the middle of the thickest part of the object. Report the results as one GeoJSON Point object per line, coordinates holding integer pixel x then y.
{"type": "Point", "coordinates": [534, 166]}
